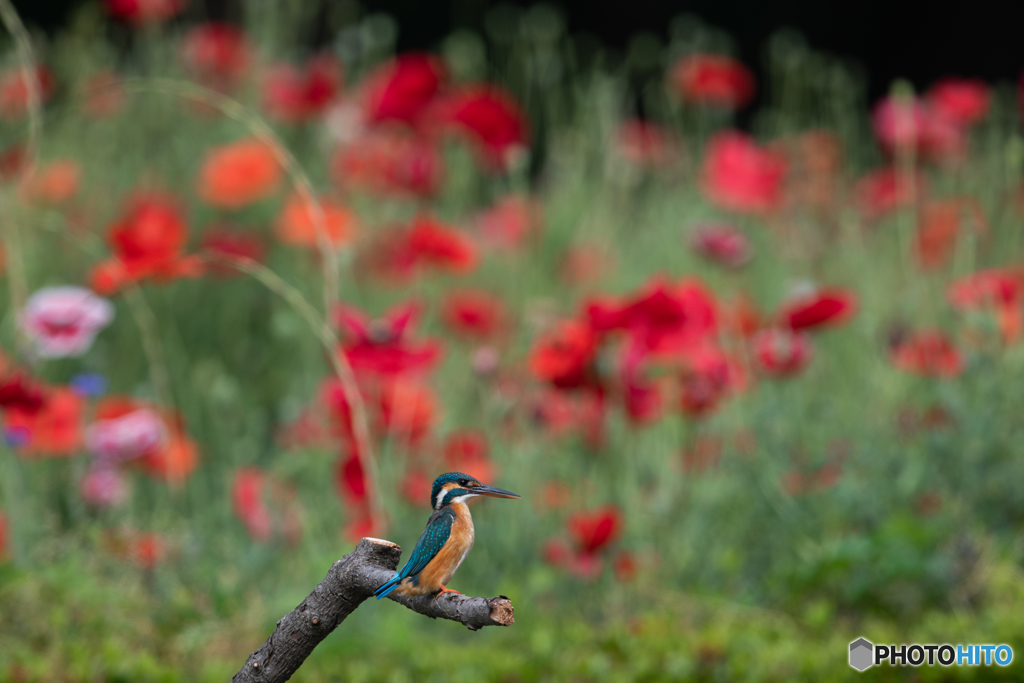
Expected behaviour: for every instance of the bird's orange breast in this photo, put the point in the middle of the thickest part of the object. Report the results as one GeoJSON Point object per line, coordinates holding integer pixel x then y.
{"type": "Point", "coordinates": [443, 566]}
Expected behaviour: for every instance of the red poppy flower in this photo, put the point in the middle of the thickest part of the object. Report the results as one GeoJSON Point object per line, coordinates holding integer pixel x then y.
{"type": "Point", "coordinates": [141, 12]}
{"type": "Point", "coordinates": [148, 550]}
{"type": "Point", "coordinates": [18, 392]}
{"type": "Point", "coordinates": [960, 100]}
{"type": "Point", "coordinates": [826, 307]}
{"type": "Point", "coordinates": [475, 314]}
{"type": "Point", "coordinates": [14, 91]}
{"type": "Point", "coordinates": [994, 287]}
{"type": "Point", "coordinates": [740, 176]}
{"type": "Point", "coordinates": [436, 244]}
{"type": "Point", "coordinates": [297, 223]}
{"type": "Point", "coordinates": [940, 225]}
{"type": "Point", "coordinates": [351, 480]}
{"type": "Point", "coordinates": [403, 88]}
{"type": "Point", "coordinates": [741, 316]}
{"type": "Point", "coordinates": [999, 291]}
{"type": "Point", "coordinates": [389, 162]}
{"type": "Point", "coordinates": [227, 244]}
{"type": "Point", "coordinates": [294, 95]}
{"type": "Point", "coordinates": [721, 243]}
{"type": "Point", "coordinates": [174, 462]}
{"type": "Point", "coordinates": [216, 54]}
{"type": "Point", "coordinates": [13, 160]}
{"type": "Point", "coordinates": [148, 240]}
{"type": "Point", "coordinates": [400, 254]}
{"type": "Point", "coordinates": [715, 80]}
{"type": "Point", "coordinates": [467, 451]}
{"type": "Point", "coordinates": [595, 530]}
{"type": "Point", "coordinates": [491, 119]}
{"type": "Point", "coordinates": [385, 346]}
{"type": "Point", "coordinates": [663, 318]}
{"type": "Point", "coordinates": [929, 353]}
{"type": "Point", "coordinates": [643, 399]}
{"type": "Point", "coordinates": [886, 189]}
{"type": "Point", "coordinates": [416, 488]}
{"type": "Point", "coordinates": [782, 352]}
{"type": "Point", "coordinates": [408, 410]}
{"type": "Point", "coordinates": [565, 355]}
{"type": "Point", "coordinates": [55, 428]}
{"type": "Point", "coordinates": [645, 143]}
{"type": "Point", "coordinates": [238, 174]}
{"type": "Point", "coordinates": [248, 504]}
{"type": "Point", "coordinates": [709, 376]}
{"type": "Point", "coordinates": [54, 184]}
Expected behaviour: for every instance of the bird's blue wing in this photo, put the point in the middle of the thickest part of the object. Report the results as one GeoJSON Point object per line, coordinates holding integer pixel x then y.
{"type": "Point", "coordinates": [431, 541]}
{"type": "Point", "coordinates": [433, 538]}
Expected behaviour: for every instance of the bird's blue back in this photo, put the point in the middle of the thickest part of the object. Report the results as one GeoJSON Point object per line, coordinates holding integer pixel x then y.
{"type": "Point", "coordinates": [433, 538]}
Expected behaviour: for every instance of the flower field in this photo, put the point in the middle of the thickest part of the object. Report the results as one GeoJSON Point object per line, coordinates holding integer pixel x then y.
{"type": "Point", "coordinates": [749, 349]}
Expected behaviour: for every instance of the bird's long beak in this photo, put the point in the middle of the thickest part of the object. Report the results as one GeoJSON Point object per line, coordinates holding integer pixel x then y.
{"type": "Point", "coordinates": [494, 492]}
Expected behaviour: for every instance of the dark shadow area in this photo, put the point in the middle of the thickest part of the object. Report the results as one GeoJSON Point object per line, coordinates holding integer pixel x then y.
{"type": "Point", "coordinates": [890, 39]}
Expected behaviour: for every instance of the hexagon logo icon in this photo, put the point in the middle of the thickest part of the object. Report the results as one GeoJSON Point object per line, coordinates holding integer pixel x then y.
{"type": "Point", "coordinates": [861, 654]}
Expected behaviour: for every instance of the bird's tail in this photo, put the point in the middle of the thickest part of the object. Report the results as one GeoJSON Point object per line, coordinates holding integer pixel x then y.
{"type": "Point", "coordinates": [391, 585]}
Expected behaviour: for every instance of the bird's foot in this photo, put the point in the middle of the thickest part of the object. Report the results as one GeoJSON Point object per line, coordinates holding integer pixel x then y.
{"type": "Point", "coordinates": [448, 590]}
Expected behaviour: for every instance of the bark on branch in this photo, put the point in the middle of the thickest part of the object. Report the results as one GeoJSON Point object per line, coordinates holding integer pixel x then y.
{"type": "Point", "coordinates": [351, 580]}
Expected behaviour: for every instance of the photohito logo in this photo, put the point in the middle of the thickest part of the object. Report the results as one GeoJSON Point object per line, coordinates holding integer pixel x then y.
{"type": "Point", "coordinates": [864, 654]}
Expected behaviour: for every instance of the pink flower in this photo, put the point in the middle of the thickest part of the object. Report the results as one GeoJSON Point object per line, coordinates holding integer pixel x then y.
{"type": "Point", "coordinates": [64, 321]}
{"type": "Point", "coordinates": [740, 176]}
{"type": "Point", "coordinates": [906, 123]}
{"type": "Point", "coordinates": [126, 437]}
{"type": "Point", "coordinates": [103, 487]}
{"type": "Point", "coordinates": [721, 243]}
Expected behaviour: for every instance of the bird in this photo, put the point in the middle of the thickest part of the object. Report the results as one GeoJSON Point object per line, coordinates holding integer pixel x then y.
{"type": "Point", "coordinates": [447, 539]}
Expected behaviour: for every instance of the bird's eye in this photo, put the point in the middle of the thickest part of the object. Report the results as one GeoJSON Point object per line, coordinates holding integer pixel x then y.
{"type": "Point", "coordinates": [463, 482]}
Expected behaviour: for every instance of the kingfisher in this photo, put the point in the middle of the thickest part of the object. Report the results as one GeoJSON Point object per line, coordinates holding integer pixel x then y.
{"type": "Point", "coordinates": [446, 541]}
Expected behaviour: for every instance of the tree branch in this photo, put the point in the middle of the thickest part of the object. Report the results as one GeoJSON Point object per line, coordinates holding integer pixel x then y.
{"type": "Point", "coordinates": [351, 580]}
